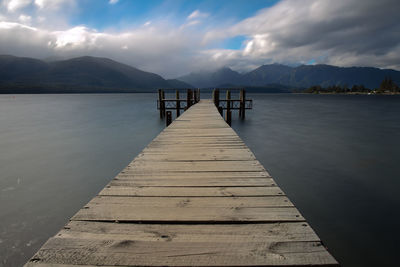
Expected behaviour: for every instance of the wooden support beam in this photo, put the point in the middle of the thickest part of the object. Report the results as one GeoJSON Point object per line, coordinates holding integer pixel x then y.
{"type": "Point", "coordinates": [216, 97]}
{"type": "Point", "coordinates": [228, 116]}
{"type": "Point", "coordinates": [243, 115]}
{"type": "Point", "coordinates": [188, 98]}
{"type": "Point", "coordinates": [160, 101]}
{"type": "Point", "coordinates": [213, 97]}
{"type": "Point", "coordinates": [178, 104]}
{"type": "Point", "coordinates": [163, 102]}
{"type": "Point", "coordinates": [242, 108]}
{"type": "Point", "coordinates": [221, 111]}
{"type": "Point", "coordinates": [168, 118]}
{"type": "Point", "coordinates": [241, 103]}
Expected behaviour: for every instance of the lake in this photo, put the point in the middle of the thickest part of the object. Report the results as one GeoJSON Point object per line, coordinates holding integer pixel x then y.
{"type": "Point", "coordinates": [337, 157]}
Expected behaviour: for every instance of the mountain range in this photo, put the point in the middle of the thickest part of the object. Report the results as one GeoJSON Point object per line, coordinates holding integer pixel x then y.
{"type": "Point", "coordinates": [103, 75]}
{"type": "Point", "coordinates": [302, 76]}
{"type": "Point", "coordinates": [77, 75]}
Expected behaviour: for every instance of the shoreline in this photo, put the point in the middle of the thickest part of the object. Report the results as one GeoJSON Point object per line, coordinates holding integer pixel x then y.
{"type": "Point", "coordinates": [350, 93]}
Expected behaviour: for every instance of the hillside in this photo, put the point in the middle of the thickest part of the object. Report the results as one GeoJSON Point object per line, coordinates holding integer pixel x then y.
{"type": "Point", "coordinates": [103, 75]}
{"type": "Point", "coordinates": [297, 77]}
{"type": "Point", "coordinates": [77, 75]}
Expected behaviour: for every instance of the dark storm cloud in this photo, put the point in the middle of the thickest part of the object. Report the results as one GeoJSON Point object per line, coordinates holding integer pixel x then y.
{"type": "Point", "coordinates": [340, 32]}
{"type": "Point", "coordinates": [350, 32]}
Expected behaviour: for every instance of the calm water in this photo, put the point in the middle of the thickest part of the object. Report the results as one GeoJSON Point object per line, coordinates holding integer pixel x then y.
{"type": "Point", "coordinates": [337, 157]}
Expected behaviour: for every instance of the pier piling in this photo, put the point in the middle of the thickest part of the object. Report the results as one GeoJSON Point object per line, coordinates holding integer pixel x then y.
{"type": "Point", "coordinates": [221, 111]}
{"type": "Point", "coordinates": [168, 119]}
{"type": "Point", "coordinates": [242, 110]}
{"type": "Point", "coordinates": [188, 98]}
{"type": "Point", "coordinates": [193, 97]}
{"type": "Point", "coordinates": [228, 114]}
{"type": "Point", "coordinates": [161, 102]}
{"type": "Point", "coordinates": [178, 104]}
{"type": "Point", "coordinates": [198, 95]}
{"type": "Point", "coordinates": [216, 97]}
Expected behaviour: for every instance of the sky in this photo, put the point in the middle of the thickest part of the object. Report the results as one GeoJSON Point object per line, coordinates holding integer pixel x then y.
{"type": "Point", "coordinates": [176, 37]}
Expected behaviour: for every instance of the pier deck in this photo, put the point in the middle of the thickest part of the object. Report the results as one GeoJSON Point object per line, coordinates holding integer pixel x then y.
{"type": "Point", "coordinates": [195, 196]}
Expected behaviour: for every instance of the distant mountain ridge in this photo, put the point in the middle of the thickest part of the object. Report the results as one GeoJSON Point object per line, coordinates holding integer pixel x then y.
{"type": "Point", "coordinates": [102, 75]}
{"type": "Point", "coordinates": [299, 77]}
{"type": "Point", "coordinates": [77, 75]}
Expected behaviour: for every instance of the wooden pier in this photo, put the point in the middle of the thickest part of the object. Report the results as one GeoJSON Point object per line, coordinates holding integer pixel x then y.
{"type": "Point", "coordinates": [164, 105]}
{"type": "Point", "coordinates": [195, 196]}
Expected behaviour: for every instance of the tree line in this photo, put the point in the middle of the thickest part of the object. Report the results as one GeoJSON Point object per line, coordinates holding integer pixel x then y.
{"type": "Point", "coordinates": [386, 86]}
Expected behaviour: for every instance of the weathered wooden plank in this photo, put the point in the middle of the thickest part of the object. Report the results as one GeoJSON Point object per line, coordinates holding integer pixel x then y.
{"type": "Point", "coordinates": [194, 166]}
{"type": "Point", "coordinates": [191, 191]}
{"type": "Point", "coordinates": [195, 143]}
{"type": "Point", "coordinates": [191, 175]}
{"type": "Point", "coordinates": [187, 148]}
{"type": "Point", "coordinates": [192, 182]}
{"type": "Point", "coordinates": [205, 150]}
{"type": "Point", "coordinates": [227, 233]}
{"type": "Point", "coordinates": [189, 202]}
{"type": "Point", "coordinates": [170, 132]}
{"type": "Point", "coordinates": [197, 146]}
{"type": "Point", "coordinates": [201, 126]}
{"type": "Point", "coordinates": [142, 253]}
{"type": "Point", "coordinates": [199, 141]}
{"type": "Point", "coordinates": [183, 214]}
{"type": "Point", "coordinates": [197, 136]}
{"type": "Point", "coordinates": [194, 157]}
{"type": "Point", "coordinates": [177, 137]}
{"type": "Point", "coordinates": [189, 209]}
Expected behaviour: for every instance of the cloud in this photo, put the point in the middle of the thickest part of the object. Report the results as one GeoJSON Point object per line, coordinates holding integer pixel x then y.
{"type": "Point", "coordinates": [190, 23]}
{"type": "Point", "coordinates": [77, 38]}
{"type": "Point", "coordinates": [52, 4]}
{"type": "Point", "coordinates": [24, 19]}
{"type": "Point", "coordinates": [341, 32]}
{"type": "Point", "coordinates": [195, 18]}
{"type": "Point", "coordinates": [197, 15]}
{"type": "Point", "coordinates": [14, 5]}
{"type": "Point", "coordinates": [112, 2]}
{"type": "Point", "coordinates": [156, 48]}
{"type": "Point", "coordinates": [334, 32]}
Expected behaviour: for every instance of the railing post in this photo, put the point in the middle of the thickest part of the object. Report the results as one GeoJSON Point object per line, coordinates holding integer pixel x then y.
{"type": "Point", "coordinates": [242, 104]}
{"type": "Point", "coordinates": [188, 98]}
{"type": "Point", "coordinates": [221, 111]}
{"type": "Point", "coordinates": [194, 96]}
{"type": "Point", "coordinates": [243, 100]}
{"type": "Point", "coordinates": [198, 95]}
{"type": "Point", "coordinates": [163, 102]}
{"type": "Point", "coordinates": [228, 108]}
{"type": "Point", "coordinates": [160, 101]}
{"type": "Point", "coordinates": [178, 104]}
{"type": "Point", "coordinates": [216, 97]}
{"type": "Point", "coordinates": [168, 119]}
